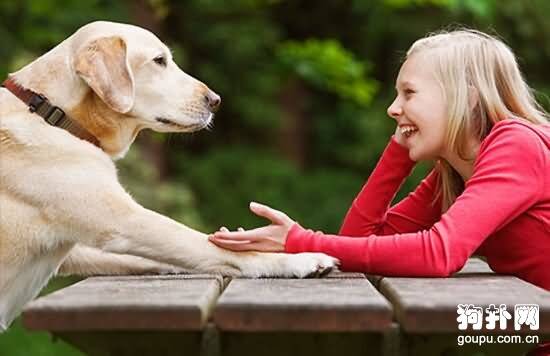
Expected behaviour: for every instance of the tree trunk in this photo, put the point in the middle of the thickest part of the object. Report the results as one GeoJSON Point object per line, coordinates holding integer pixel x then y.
{"type": "Point", "coordinates": [295, 126]}
{"type": "Point", "coordinates": [153, 149]}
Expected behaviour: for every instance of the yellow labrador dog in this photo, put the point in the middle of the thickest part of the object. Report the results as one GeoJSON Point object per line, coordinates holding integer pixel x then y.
{"type": "Point", "coordinates": [63, 118]}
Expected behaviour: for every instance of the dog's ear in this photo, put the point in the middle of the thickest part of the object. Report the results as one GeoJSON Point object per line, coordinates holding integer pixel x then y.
{"type": "Point", "coordinates": [103, 65]}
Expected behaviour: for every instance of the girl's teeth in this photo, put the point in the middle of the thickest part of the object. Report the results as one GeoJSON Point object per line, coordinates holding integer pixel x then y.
{"type": "Point", "coordinates": [408, 131]}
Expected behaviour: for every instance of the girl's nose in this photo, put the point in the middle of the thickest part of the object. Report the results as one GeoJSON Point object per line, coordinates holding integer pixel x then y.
{"type": "Point", "coordinates": [395, 110]}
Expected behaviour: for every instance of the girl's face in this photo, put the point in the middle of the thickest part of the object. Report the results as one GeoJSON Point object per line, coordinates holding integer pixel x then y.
{"type": "Point", "coordinates": [420, 110]}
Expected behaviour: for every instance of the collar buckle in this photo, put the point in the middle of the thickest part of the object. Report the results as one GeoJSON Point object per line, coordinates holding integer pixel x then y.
{"type": "Point", "coordinates": [53, 115]}
{"type": "Point", "coordinates": [41, 105]}
{"type": "Point", "coordinates": [36, 102]}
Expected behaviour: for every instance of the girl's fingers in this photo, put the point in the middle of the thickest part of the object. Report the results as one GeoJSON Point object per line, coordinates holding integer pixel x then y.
{"type": "Point", "coordinates": [252, 235]}
{"type": "Point", "coordinates": [246, 245]}
{"type": "Point", "coordinates": [265, 211]}
{"type": "Point", "coordinates": [223, 229]}
{"type": "Point", "coordinates": [230, 242]}
{"type": "Point", "coordinates": [241, 245]}
{"type": "Point", "coordinates": [232, 235]}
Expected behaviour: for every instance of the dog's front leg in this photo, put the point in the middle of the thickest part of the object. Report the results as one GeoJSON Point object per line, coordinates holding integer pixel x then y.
{"type": "Point", "coordinates": [89, 261]}
{"type": "Point", "coordinates": [145, 233]}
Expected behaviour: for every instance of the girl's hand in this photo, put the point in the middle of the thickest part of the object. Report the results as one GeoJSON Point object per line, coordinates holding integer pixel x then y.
{"type": "Point", "coordinates": [270, 238]}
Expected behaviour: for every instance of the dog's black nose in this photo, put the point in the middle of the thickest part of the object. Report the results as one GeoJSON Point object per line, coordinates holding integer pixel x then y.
{"type": "Point", "coordinates": [213, 100]}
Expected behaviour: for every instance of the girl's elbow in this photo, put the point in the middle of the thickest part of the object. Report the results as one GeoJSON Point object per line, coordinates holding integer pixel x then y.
{"type": "Point", "coordinates": [450, 267]}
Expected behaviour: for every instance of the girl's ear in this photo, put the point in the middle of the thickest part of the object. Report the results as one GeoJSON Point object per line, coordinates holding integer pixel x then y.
{"type": "Point", "coordinates": [473, 97]}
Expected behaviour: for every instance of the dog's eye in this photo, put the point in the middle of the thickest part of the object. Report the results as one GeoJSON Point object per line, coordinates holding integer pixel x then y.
{"type": "Point", "coordinates": [160, 60]}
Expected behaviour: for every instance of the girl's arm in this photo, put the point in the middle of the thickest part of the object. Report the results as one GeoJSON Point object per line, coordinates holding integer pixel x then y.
{"type": "Point", "coordinates": [370, 213]}
{"type": "Point", "coordinates": [508, 179]}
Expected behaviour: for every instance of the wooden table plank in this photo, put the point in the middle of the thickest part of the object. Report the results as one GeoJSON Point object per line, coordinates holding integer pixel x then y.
{"type": "Point", "coordinates": [429, 305]}
{"type": "Point", "coordinates": [327, 304]}
{"type": "Point", "coordinates": [344, 275]}
{"type": "Point", "coordinates": [175, 302]}
{"type": "Point", "coordinates": [474, 265]}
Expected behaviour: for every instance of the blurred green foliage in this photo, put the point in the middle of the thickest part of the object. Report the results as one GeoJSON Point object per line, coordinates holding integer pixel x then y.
{"type": "Point", "coordinates": [174, 199]}
{"type": "Point", "coordinates": [305, 87]}
{"type": "Point", "coordinates": [227, 191]}
{"type": "Point", "coordinates": [329, 66]}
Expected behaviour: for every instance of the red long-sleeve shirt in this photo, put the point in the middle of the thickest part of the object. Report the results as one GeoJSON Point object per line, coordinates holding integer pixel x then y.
{"type": "Point", "coordinates": [503, 214]}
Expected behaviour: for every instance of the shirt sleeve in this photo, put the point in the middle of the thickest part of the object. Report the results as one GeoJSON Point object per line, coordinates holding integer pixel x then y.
{"type": "Point", "coordinates": [370, 213]}
{"type": "Point", "coordinates": [510, 160]}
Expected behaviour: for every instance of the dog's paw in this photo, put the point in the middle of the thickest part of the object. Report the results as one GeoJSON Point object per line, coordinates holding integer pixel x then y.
{"type": "Point", "coordinates": [285, 265]}
{"type": "Point", "coordinates": [310, 265]}
{"type": "Point", "coordinates": [166, 269]}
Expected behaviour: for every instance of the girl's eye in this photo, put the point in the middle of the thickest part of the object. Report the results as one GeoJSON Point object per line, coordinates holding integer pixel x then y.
{"type": "Point", "coordinates": [409, 91]}
{"type": "Point", "coordinates": [160, 60]}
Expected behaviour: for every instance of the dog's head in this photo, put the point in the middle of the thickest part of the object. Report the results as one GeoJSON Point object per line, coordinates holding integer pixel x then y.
{"type": "Point", "coordinates": [134, 74]}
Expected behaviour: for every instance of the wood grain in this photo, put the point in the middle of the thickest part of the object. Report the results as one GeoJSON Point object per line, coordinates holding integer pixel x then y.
{"type": "Point", "coordinates": [429, 305]}
{"type": "Point", "coordinates": [328, 304]}
{"type": "Point", "coordinates": [178, 302]}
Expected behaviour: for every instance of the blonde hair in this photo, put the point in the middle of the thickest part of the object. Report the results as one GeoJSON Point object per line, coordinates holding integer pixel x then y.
{"type": "Point", "coordinates": [482, 85]}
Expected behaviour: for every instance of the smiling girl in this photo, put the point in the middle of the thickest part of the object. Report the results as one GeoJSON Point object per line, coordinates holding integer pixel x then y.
{"type": "Point", "coordinates": [461, 102]}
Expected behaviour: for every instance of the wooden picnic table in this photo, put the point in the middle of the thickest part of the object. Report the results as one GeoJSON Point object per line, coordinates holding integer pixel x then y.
{"type": "Point", "coordinates": [426, 310]}
{"type": "Point", "coordinates": [341, 314]}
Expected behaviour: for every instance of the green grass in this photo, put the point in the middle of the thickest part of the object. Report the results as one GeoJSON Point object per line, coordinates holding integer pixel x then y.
{"type": "Point", "coordinates": [18, 341]}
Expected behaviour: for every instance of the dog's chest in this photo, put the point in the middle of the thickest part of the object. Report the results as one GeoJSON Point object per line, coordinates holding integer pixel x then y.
{"type": "Point", "coordinates": [24, 284]}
